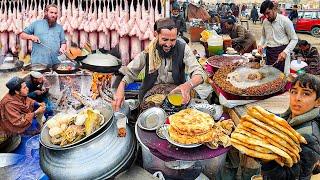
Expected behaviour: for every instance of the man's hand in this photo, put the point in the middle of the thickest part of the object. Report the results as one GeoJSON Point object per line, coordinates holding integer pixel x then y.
{"type": "Point", "coordinates": [118, 99]}
{"type": "Point", "coordinates": [63, 49]}
{"type": "Point", "coordinates": [34, 38]}
{"type": "Point", "coordinates": [185, 89]}
{"type": "Point", "coordinates": [282, 56]}
{"type": "Point", "coordinates": [38, 92]}
{"type": "Point", "coordinates": [40, 110]}
{"type": "Point", "coordinates": [43, 104]}
{"type": "Point", "coordinates": [260, 49]}
{"type": "Point", "coordinates": [44, 89]}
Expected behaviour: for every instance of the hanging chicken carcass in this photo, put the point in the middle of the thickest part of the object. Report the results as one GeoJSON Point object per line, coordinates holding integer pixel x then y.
{"type": "Point", "coordinates": [135, 32]}
{"type": "Point", "coordinates": [93, 25]}
{"type": "Point", "coordinates": [4, 36]}
{"type": "Point", "coordinates": [12, 29]}
{"type": "Point", "coordinates": [103, 23]}
{"type": "Point", "coordinates": [103, 37]}
{"type": "Point", "coordinates": [74, 22]}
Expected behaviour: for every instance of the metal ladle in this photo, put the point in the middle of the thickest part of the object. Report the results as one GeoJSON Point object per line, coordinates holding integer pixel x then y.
{"type": "Point", "coordinates": [46, 46]}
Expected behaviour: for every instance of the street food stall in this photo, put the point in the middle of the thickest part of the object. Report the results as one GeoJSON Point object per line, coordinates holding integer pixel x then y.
{"type": "Point", "coordinates": [177, 140]}
{"type": "Point", "coordinates": [86, 139]}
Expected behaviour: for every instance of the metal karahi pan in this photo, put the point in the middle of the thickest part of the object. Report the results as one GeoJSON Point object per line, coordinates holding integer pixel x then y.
{"type": "Point", "coordinates": [9, 67]}
{"type": "Point", "coordinates": [37, 67]}
{"type": "Point", "coordinates": [103, 63]}
{"type": "Point", "coordinates": [66, 67]}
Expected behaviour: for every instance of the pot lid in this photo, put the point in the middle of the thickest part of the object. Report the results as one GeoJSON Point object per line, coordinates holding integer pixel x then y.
{"type": "Point", "coordinates": [101, 60]}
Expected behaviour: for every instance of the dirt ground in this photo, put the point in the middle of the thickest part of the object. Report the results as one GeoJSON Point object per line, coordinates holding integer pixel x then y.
{"type": "Point", "coordinates": [256, 30]}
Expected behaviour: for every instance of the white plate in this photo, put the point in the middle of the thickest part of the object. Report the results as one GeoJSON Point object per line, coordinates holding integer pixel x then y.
{"type": "Point", "coordinates": [166, 134]}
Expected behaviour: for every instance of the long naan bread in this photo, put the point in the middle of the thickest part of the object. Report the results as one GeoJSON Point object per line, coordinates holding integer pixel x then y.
{"type": "Point", "coordinates": [256, 135]}
{"type": "Point", "coordinates": [276, 150]}
{"type": "Point", "coordinates": [252, 147]}
{"type": "Point", "coordinates": [256, 114]}
{"type": "Point", "coordinates": [280, 121]}
{"type": "Point", "coordinates": [253, 153]}
{"type": "Point", "coordinates": [272, 130]}
{"type": "Point", "coordinates": [249, 132]}
{"type": "Point", "coordinates": [276, 138]}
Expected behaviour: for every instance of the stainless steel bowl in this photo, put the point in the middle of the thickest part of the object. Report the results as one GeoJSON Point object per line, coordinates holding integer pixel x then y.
{"type": "Point", "coordinates": [160, 130]}
{"type": "Point", "coordinates": [152, 118]}
{"type": "Point", "coordinates": [206, 108]}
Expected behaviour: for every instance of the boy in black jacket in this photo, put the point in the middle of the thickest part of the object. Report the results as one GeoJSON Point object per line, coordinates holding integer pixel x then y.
{"type": "Point", "coordinates": [304, 117]}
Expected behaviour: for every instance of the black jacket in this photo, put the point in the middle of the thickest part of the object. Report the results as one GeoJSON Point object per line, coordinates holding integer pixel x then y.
{"type": "Point", "coordinates": [308, 126]}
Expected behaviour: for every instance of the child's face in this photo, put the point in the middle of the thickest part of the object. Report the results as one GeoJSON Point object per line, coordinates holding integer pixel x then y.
{"type": "Point", "coordinates": [302, 100]}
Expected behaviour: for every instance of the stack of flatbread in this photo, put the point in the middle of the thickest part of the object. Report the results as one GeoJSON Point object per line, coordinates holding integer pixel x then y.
{"type": "Point", "coordinates": [263, 135]}
{"type": "Point", "coordinates": [191, 126]}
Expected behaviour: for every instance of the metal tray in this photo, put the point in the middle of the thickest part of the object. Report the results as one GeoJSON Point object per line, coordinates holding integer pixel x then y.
{"type": "Point", "coordinates": [219, 61]}
{"type": "Point", "coordinates": [14, 66]}
{"type": "Point", "coordinates": [166, 134]}
{"type": "Point", "coordinates": [281, 87]}
{"type": "Point", "coordinates": [270, 74]}
{"type": "Point", "coordinates": [206, 108]}
{"type": "Point", "coordinates": [36, 67]}
{"type": "Point", "coordinates": [159, 114]}
{"type": "Point", "coordinates": [106, 111]}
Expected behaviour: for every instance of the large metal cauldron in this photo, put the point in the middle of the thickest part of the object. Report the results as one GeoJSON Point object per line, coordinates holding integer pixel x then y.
{"type": "Point", "coordinates": [181, 169]}
{"type": "Point", "coordinates": [101, 157]}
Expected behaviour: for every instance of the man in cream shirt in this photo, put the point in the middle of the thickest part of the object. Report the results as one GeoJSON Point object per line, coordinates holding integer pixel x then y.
{"type": "Point", "coordinates": [278, 37]}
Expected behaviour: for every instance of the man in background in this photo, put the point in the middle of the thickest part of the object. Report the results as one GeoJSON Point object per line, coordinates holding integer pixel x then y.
{"type": "Point", "coordinates": [179, 21]}
{"type": "Point", "coordinates": [50, 34]}
{"type": "Point", "coordinates": [278, 37]}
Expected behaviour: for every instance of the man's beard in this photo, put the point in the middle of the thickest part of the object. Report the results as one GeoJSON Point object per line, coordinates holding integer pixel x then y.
{"type": "Point", "coordinates": [271, 20]}
{"type": "Point", "coordinates": [51, 22]}
{"type": "Point", "coordinates": [164, 54]}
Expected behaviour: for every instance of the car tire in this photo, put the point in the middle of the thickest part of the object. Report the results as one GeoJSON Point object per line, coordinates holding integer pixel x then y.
{"type": "Point", "coordinates": [315, 31]}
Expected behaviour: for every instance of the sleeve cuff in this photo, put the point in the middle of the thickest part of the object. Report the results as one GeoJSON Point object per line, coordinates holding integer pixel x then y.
{"type": "Point", "coordinates": [287, 52]}
{"type": "Point", "coordinates": [127, 80]}
{"type": "Point", "coordinates": [203, 75]}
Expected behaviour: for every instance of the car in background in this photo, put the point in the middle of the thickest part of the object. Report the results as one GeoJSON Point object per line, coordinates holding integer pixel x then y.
{"type": "Point", "coordinates": [309, 21]}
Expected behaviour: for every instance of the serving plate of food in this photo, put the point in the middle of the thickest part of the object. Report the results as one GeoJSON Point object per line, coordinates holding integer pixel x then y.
{"type": "Point", "coordinates": [68, 129]}
{"type": "Point", "coordinates": [190, 128]}
{"type": "Point", "coordinates": [250, 79]}
{"type": "Point", "coordinates": [168, 137]}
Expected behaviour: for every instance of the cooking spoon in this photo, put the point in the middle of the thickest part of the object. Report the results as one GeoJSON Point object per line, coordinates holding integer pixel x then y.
{"type": "Point", "coordinates": [52, 49]}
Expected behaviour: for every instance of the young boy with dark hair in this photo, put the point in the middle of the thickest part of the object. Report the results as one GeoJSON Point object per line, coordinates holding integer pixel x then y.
{"type": "Point", "coordinates": [303, 116]}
